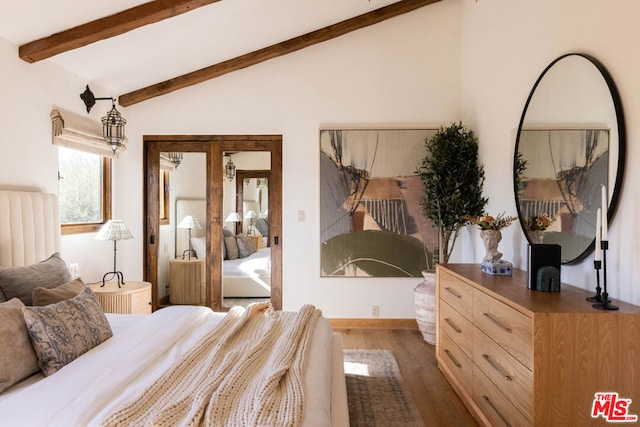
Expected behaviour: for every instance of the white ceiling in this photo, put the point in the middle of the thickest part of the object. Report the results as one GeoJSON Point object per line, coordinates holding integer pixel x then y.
{"type": "Point", "coordinates": [175, 46]}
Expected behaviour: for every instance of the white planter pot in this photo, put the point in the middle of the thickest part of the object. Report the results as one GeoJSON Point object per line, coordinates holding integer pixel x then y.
{"type": "Point", "coordinates": [425, 305]}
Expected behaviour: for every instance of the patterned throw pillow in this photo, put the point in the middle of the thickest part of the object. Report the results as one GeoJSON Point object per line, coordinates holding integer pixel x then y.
{"type": "Point", "coordinates": [17, 358]}
{"type": "Point", "coordinates": [245, 245]}
{"type": "Point", "coordinates": [63, 331]}
{"type": "Point", "coordinates": [44, 296]}
{"type": "Point", "coordinates": [19, 282]}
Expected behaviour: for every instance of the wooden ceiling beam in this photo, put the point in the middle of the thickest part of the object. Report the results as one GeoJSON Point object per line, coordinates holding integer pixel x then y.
{"type": "Point", "coordinates": [110, 26]}
{"type": "Point", "coordinates": [273, 51]}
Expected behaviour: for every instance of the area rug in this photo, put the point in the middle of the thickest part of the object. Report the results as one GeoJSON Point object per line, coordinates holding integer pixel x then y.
{"type": "Point", "coordinates": [376, 393]}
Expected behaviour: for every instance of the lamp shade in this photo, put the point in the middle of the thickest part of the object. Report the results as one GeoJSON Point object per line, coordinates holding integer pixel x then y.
{"type": "Point", "coordinates": [114, 229]}
{"type": "Point", "coordinates": [250, 215]}
{"type": "Point", "coordinates": [233, 217]}
{"type": "Point", "coordinates": [189, 222]}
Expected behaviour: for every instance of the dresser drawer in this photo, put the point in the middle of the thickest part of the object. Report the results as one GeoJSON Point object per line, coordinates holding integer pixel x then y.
{"type": "Point", "coordinates": [457, 294]}
{"type": "Point", "coordinates": [493, 403]}
{"type": "Point", "coordinates": [457, 327]}
{"type": "Point", "coordinates": [505, 325]}
{"type": "Point", "coordinates": [456, 360]}
{"type": "Point", "coordinates": [510, 376]}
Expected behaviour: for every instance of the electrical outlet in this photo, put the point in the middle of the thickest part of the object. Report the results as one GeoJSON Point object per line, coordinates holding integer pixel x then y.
{"type": "Point", "coordinates": [74, 270]}
{"type": "Point", "coordinates": [375, 311]}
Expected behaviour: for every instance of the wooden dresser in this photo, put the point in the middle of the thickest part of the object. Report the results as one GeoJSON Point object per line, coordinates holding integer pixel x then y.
{"type": "Point", "coordinates": [130, 298]}
{"type": "Point", "coordinates": [187, 281]}
{"type": "Point", "coordinates": [520, 357]}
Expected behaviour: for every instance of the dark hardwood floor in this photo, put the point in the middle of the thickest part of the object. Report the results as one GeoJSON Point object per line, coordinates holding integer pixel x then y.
{"type": "Point", "coordinates": [437, 402]}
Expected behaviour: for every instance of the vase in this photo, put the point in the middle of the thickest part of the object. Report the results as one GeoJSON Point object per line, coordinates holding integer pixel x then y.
{"type": "Point", "coordinates": [425, 306]}
{"type": "Point", "coordinates": [490, 239]}
{"type": "Point", "coordinates": [492, 262]}
{"type": "Point", "coordinates": [536, 236]}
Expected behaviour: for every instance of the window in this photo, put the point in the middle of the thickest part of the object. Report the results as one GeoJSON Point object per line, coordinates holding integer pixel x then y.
{"type": "Point", "coordinates": [84, 190]}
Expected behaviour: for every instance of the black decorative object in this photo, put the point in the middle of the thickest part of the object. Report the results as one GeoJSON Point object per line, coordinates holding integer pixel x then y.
{"type": "Point", "coordinates": [543, 267]}
{"type": "Point", "coordinates": [605, 304]}
{"type": "Point", "coordinates": [597, 265]}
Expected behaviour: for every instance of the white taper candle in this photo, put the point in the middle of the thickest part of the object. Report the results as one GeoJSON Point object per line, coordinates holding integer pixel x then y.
{"type": "Point", "coordinates": [605, 204]}
{"type": "Point", "coordinates": [598, 255]}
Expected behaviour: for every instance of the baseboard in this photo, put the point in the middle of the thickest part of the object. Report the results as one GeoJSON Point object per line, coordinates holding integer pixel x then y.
{"type": "Point", "coordinates": [374, 323]}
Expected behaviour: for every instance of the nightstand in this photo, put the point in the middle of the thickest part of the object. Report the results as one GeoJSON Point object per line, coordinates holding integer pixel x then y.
{"type": "Point", "coordinates": [131, 298]}
{"type": "Point", "coordinates": [187, 281]}
{"type": "Point", "coordinates": [257, 240]}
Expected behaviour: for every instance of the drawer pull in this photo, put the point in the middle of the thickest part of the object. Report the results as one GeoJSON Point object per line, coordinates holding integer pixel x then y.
{"type": "Point", "coordinates": [497, 367]}
{"type": "Point", "coordinates": [454, 293]}
{"type": "Point", "coordinates": [453, 359]}
{"type": "Point", "coordinates": [494, 409]}
{"type": "Point", "coordinates": [488, 316]}
{"type": "Point", "coordinates": [453, 325]}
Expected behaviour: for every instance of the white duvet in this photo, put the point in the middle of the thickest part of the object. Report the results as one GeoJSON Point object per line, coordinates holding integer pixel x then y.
{"type": "Point", "coordinates": [87, 390]}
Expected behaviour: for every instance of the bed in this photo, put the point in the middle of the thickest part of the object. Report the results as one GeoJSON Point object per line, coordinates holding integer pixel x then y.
{"type": "Point", "coordinates": [113, 378]}
{"type": "Point", "coordinates": [247, 274]}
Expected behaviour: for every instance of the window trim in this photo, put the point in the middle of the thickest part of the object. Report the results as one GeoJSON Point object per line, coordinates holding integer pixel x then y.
{"type": "Point", "coordinates": [106, 204]}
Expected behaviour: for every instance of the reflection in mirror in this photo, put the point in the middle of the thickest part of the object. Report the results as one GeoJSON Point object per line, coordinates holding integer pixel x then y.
{"type": "Point", "coordinates": [246, 265]}
{"type": "Point", "coordinates": [182, 280]}
{"type": "Point", "coordinates": [570, 144]}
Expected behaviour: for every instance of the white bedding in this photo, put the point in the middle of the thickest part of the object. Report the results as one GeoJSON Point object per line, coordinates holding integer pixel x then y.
{"type": "Point", "coordinates": [255, 265]}
{"type": "Point", "coordinates": [87, 390]}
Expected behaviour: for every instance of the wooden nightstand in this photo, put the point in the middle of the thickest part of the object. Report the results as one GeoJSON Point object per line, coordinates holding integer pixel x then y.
{"type": "Point", "coordinates": [257, 240]}
{"type": "Point", "coordinates": [131, 298]}
{"type": "Point", "coordinates": [187, 281]}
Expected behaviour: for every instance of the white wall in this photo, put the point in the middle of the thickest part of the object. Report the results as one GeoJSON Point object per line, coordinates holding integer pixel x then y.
{"type": "Point", "coordinates": [506, 45]}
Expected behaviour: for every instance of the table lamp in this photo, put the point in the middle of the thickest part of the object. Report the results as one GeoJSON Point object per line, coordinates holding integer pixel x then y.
{"type": "Point", "coordinates": [251, 215]}
{"type": "Point", "coordinates": [189, 222]}
{"type": "Point", "coordinates": [115, 230]}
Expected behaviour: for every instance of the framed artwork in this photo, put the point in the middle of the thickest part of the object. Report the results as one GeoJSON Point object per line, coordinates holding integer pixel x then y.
{"type": "Point", "coordinates": [370, 213]}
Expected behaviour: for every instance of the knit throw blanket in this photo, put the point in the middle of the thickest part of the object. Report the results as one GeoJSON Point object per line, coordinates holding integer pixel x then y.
{"type": "Point", "coordinates": [248, 371]}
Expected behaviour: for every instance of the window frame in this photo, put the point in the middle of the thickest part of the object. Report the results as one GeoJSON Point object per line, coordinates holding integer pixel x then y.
{"type": "Point", "coordinates": [106, 204]}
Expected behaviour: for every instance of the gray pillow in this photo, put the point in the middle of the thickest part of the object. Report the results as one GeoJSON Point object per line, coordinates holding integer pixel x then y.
{"type": "Point", "coordinates": [46, 296]}
{"type": "Point", "coordinates": [19, 282]}
{"type": "Point", "coordinates": [63, 331]}
{"type": "Point", "coordinates": [245, 245]}
{"type": "Point", "coordinates": [232, 247]}
{"type": "Point", "coordinates": [17, 358]}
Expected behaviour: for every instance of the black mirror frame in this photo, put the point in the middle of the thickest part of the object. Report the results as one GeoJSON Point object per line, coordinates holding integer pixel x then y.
{"type": "Point", "coordinates": [622, 137]}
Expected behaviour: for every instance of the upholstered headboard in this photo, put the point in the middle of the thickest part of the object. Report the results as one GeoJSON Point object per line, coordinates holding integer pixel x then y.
{"type": "Point", "coordinates": [29, 227]}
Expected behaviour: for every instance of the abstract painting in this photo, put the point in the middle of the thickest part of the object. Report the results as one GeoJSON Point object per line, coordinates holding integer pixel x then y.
{"type": "Point", "coordinates": [370, 214]}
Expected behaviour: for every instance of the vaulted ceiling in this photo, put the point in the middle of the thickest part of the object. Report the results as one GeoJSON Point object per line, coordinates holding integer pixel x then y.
{"type": "Point", "coordinates": [139, 50]}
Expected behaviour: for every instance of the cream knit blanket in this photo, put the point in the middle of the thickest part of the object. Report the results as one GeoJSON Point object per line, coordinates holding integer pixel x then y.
{"type": "Point", "coordinates": [248, 371]}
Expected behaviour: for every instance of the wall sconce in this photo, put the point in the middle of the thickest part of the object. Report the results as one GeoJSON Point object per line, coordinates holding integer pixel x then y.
{"type": "Point", "coordinates": [176, 158]}
{"type": "Point", "coordinates": [112, 124]}
{"type": "Point", "coordinates": [230, 170]}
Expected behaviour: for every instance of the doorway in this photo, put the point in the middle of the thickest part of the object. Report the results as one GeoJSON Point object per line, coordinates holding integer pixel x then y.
{"type": "Point", "coordinates": [214, 148]}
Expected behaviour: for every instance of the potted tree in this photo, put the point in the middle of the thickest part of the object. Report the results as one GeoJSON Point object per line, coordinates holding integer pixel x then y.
{"type": "Point", "coordinates": [452, 180]}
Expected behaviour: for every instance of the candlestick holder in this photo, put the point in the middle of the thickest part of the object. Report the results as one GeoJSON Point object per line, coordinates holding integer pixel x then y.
{"type": "Point", "coordinates": [605, 304]}
{"type": "Point", "coordinates": [597, 265]}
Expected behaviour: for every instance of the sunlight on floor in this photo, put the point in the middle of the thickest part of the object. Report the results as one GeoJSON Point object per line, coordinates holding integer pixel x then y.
{"type": "Point", "coordinates": [353, 368]}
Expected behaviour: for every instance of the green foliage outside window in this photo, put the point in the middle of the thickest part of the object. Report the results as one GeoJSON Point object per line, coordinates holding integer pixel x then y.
{"type": "Point", "coordinates": [79, 187]}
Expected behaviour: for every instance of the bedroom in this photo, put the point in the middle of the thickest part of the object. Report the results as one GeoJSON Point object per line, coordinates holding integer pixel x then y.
{"type": "Point", "coordinates": [456, 59]}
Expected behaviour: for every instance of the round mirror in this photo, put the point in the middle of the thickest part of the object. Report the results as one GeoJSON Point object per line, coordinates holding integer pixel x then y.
{"type": "Point", "coordinates": [570, 145]}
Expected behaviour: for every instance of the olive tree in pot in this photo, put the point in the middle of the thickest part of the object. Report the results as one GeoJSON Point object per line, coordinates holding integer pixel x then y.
{"type": "Point", "coordinates": [452, 180]}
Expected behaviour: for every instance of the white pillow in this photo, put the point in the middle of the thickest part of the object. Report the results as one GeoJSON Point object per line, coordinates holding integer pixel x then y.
{"type": "Point", "coordinates": [199, 244]}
